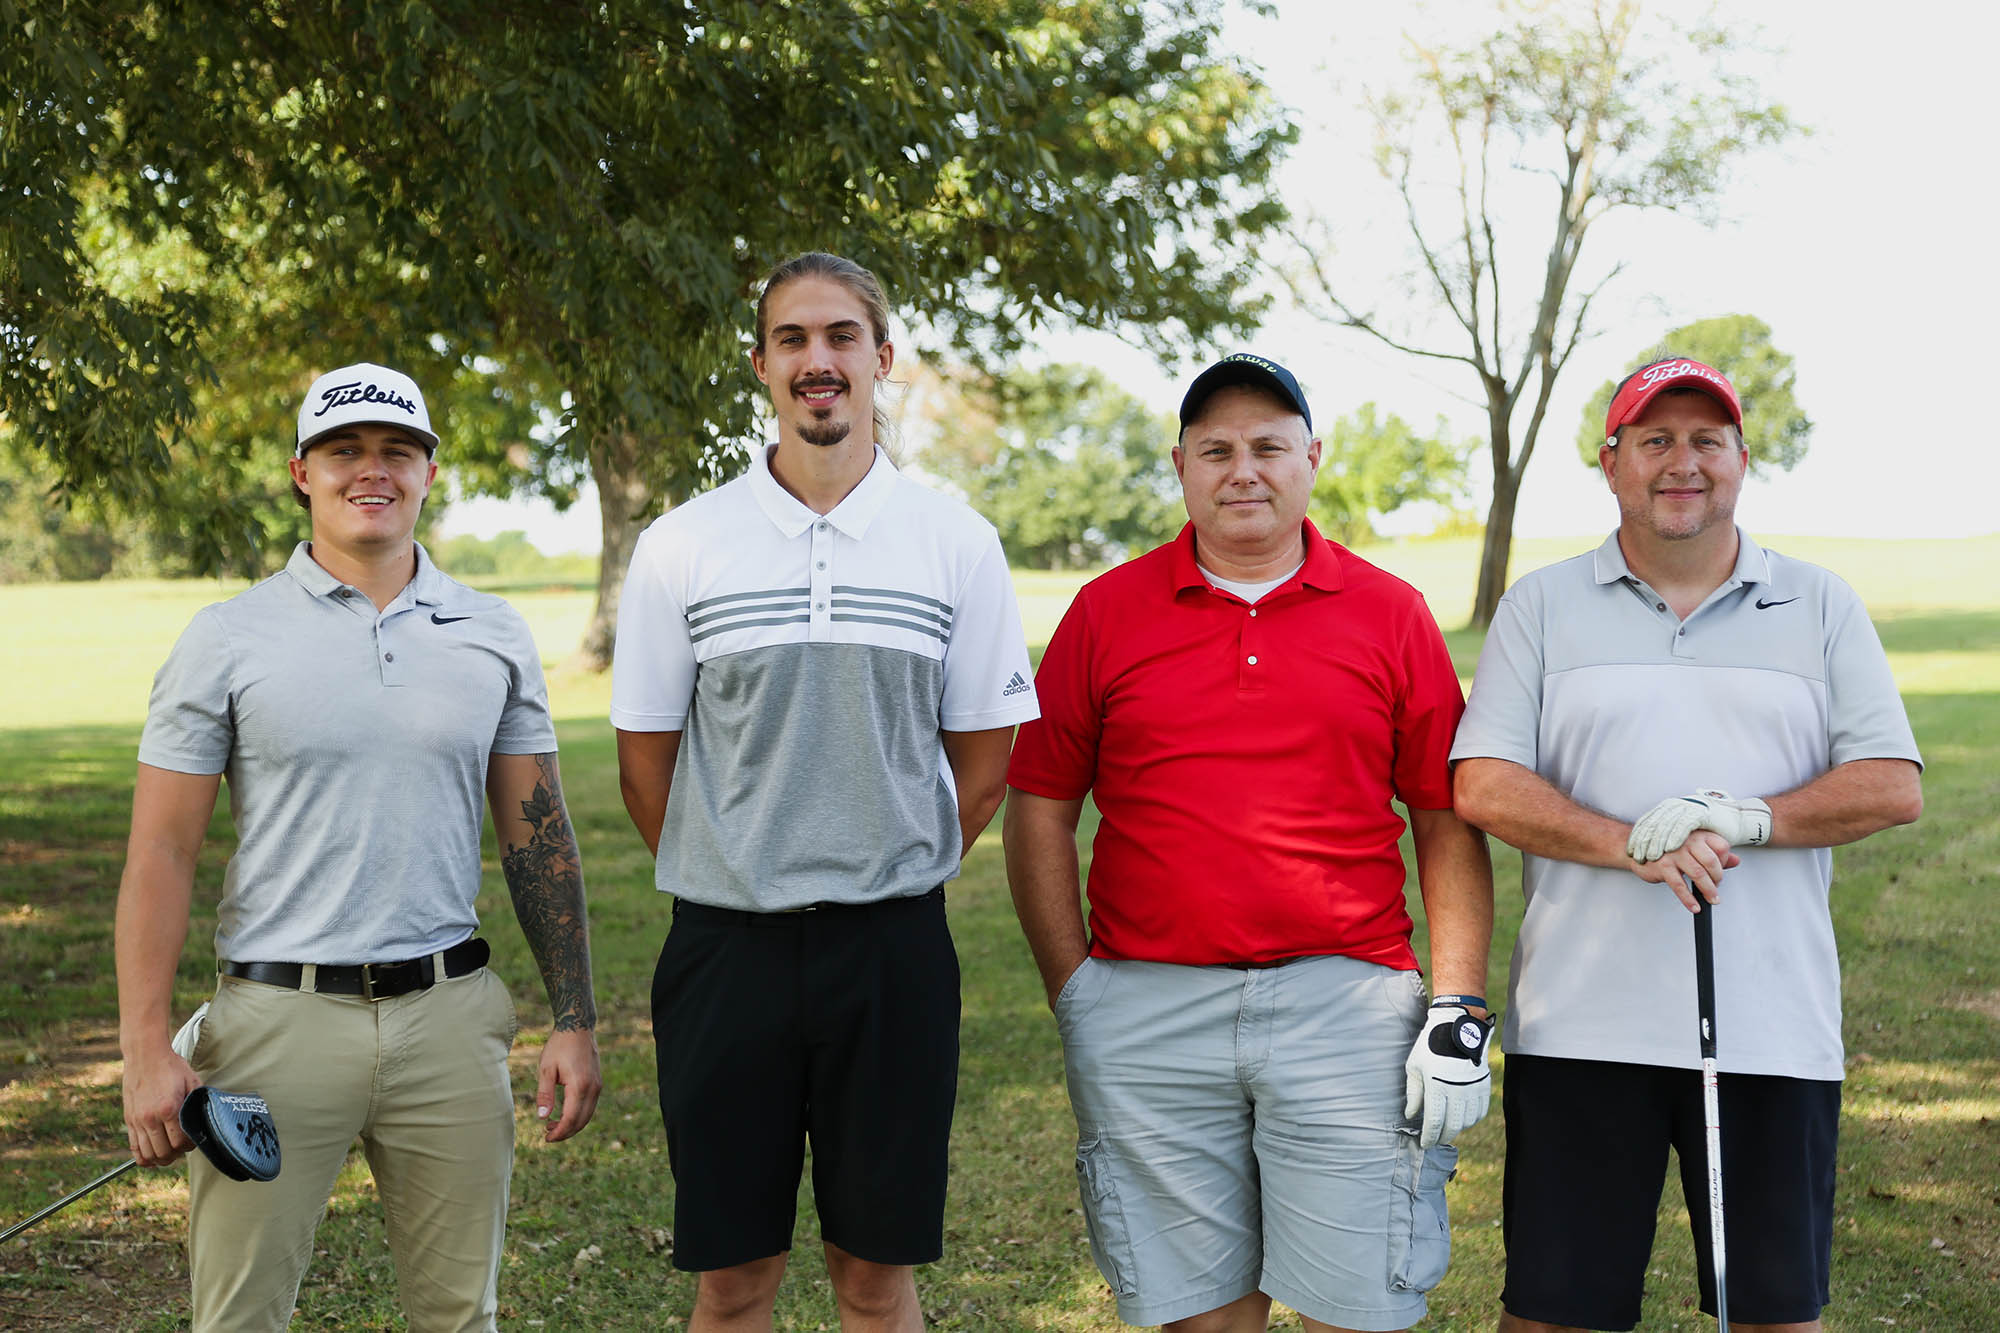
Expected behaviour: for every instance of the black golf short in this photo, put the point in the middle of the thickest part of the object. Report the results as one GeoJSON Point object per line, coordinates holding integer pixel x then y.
{"type": "Point", "coordinates": [1587, 1155]}
{"type": "Point", "coordinates": [834, 1024]}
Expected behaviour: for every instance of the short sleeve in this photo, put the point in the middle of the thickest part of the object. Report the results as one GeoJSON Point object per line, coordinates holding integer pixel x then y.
{"type": "Point", "coordinates": [1503, 714]}
{"type": "Point", "coordinates": [1426, 715]}
{"type": "Point", "coordinates": [1056, 755]}
{"type": "Point", "coordinates": [1865, 714]}
{"type": "Point", "coordinates": [988, 680]}
{"type": "Point", "coordinates": [524, 727]}
{"type": "Point", "coordinates": [190, 719]}
{"type": "Point", "coordinates": [653, 663]}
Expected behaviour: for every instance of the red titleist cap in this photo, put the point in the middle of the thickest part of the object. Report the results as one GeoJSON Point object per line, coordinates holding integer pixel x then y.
{"type": "Point", "coordinates": [1646, 383]}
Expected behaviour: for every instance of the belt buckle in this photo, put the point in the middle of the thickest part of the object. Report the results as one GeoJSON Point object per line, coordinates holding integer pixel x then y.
{"type": "Point", "coordinates": [389, 976]}
{"type": "Point", "coordinates": [409, 971]}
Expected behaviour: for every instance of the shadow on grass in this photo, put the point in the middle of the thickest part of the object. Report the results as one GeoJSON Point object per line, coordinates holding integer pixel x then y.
{"type": "Point", "coordinates": [66, 799]}
{"type": "Point", "coordinates": [1917, 1230]}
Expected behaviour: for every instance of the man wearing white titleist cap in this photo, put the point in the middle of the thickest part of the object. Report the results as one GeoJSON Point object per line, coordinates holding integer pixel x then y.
{"type": "Point", "coordinates": [1681, 705]}
{"type": "Point", "coordinates": [362, 705]}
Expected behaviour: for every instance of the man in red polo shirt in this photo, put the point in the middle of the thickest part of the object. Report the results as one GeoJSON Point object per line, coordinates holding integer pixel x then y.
{"type": "Point", "coordinates": [1264, 1106]}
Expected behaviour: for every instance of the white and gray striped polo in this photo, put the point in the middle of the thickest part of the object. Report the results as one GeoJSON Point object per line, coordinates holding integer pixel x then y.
{"type": "Point", "coordinates": [810, 662]}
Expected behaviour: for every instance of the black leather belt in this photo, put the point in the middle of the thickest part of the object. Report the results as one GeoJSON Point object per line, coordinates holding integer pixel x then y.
{"type": "Point", "coordinates": [730, 916]}
{"type": "Point", "coordinates": [371, 981]}
{"type": "Point", "coordinates": [1268, 962]}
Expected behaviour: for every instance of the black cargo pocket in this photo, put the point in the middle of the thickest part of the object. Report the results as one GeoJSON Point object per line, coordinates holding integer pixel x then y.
{"type": "Point", "coordinates": [1420, 1230]}
{"type": "Point", "coordinates": [1104, 1217]}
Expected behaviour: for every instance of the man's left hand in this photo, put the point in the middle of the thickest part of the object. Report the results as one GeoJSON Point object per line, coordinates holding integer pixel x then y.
{"type": "Point", "coordinates": [1446, 1076]}
{"type": "Point", "coordinates": [569, 1061]}
{"type": "Point", "coordinates": [1745, 823]}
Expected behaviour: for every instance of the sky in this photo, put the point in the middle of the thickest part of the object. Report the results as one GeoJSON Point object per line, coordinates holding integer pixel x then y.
{"type": "Point", "coordinates": [1869, 248]}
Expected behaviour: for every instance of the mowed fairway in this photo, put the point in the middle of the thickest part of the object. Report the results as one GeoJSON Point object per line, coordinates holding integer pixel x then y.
{"type": "Point", "coordinates": [1917, 1238]}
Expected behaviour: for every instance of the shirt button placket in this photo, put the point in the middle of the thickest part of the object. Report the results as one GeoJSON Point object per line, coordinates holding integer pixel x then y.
{"type": "Point", "coordinates": [1250, 652]}
{"type": "Point", "coordinates": [821, 580]}
{"type": "Point", "coordinates": [386, 655]}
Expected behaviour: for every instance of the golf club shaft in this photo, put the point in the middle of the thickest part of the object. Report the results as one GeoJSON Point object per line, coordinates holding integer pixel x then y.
{"type": "Point", "coordinates": [63, 1203]}
{"type": "Point", "coordinates": [1711, 1101]}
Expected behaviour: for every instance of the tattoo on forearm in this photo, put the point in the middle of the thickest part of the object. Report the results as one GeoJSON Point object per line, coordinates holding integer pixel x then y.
{"type": "Point", "coordinates": [545, 878]}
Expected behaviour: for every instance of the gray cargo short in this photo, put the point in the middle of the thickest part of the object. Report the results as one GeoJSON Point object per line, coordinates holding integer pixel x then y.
{"type": "Point", "coordinates": [1242, 1129]}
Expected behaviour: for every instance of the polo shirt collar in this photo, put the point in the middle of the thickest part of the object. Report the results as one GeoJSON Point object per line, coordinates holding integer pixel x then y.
{"type": "Point", "coordinates": [1321, 569]}
{"type": "Point", "coordinates": [1753, 563]}
{"type": "Point", "coordinates": [850, 517]}
{"type": "Point", "coordinates": [426, 589]}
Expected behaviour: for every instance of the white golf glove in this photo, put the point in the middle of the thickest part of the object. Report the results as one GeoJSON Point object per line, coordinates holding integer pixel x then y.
{"type": "Point", "coordinates": [1446, 1076]}
{"type": "Point", "coordinates": [190, 1032]}
{"type": "Point", "coordinates": [1667, 825]}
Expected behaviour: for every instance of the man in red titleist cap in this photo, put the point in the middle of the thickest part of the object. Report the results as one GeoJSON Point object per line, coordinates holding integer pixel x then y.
{"type": "Point", "coordinates": [1265, 1103]}
{"type": "Point", "coordinates": [1680, 706]}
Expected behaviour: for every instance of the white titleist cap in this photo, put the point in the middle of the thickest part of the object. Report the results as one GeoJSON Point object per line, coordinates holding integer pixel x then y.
{"type": "Point", "coordinates": [363, 392]}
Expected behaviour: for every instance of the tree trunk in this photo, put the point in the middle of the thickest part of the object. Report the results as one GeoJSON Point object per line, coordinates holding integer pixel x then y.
{"type": "Point", "coordinates": [626, 503]}
{"type": "Point", "coordinates": [1498, 547]}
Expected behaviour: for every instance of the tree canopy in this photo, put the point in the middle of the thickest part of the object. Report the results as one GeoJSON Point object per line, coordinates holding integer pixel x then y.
{"type": "Point", "coordinates": [1077, 473]}
{"type": "Point", "coordinates": [1074, 471]}
{"type": "Point", "coordinates": [566, 206]}
{"type": "Point", "coordinates": [1776, 430]}
{"type": "Point", "coordinates": [1505, 153]}
{"type": "Point", "coordinates": [1372, 465]}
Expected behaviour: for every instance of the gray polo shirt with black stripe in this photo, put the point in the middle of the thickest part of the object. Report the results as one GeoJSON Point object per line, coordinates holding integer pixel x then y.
{"type": "Point", "coordinates": [1590, 679]}
{"type": "Point", "coordinates": [355, 745]}
{"type": "Point", "coordinates": [810, 663]}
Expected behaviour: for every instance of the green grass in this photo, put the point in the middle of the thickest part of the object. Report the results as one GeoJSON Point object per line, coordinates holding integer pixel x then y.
{"type": "Point", "coordinates": [1917, 1237]}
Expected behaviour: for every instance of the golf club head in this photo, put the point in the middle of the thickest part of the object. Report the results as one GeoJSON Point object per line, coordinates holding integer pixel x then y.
{"type": "Point", "coordinates": [234, 1131]}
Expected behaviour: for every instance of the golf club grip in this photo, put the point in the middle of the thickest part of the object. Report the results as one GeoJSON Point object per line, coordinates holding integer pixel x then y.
{"type": "Point", "coordinates": [1704, 973]}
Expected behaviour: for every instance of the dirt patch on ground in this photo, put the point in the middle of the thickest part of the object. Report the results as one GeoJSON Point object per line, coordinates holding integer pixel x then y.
{"type": "Point", "coordinates": [79, 1056]}
{"type": "Point", "coordinates": [119, 1272]}
{"type": "Point", "coordinates": [1987, 1004]}
{"type": "Point", "coordinates": [41, 853]}
{"type": "Point", "coordinates": [64, 877]}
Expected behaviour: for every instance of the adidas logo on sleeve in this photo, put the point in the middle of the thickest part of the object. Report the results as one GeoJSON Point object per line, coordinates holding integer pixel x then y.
{"type": "Point", "coordinates": [1015, 686]}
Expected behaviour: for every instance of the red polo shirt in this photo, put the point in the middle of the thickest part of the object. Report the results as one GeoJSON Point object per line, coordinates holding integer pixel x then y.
{"type": "Point", "coordinates": [1243, 757]}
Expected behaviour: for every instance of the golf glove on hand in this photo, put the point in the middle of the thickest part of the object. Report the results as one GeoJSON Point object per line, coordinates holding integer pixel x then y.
{"type": "Point", "coordinates": [1667, 825]}
{"type": "Point", "coordinates": [1446, 1076]}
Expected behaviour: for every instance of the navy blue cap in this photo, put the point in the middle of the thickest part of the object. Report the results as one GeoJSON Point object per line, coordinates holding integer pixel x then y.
{"type": "Point", "coordinates": [1245, 368]}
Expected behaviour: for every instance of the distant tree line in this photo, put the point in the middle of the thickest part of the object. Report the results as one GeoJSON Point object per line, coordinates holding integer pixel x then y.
{"type": "Point", "coordinates": [1076, 473]}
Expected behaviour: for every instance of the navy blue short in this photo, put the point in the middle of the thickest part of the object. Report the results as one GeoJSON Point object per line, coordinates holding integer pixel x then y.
{"type": "Point", "coordinates": [1587, 1148]}
{"type": "Point", "coordinates": [838, 1024]}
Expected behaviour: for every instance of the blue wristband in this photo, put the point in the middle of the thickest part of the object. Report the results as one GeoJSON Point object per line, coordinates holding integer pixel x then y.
{"type": "Point", "coordinates": [1459, 1001]}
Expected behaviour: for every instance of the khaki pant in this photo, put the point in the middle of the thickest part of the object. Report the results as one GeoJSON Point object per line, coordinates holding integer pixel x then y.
{"type": "Point", "coordinates": [422, 1081]}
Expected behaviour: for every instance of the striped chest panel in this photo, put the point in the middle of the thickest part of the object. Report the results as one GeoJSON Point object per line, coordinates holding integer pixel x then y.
{"type": "Point", "coordinates": [871, 615]}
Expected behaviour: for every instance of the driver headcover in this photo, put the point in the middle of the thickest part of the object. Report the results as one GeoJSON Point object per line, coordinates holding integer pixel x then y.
{"type": "Point", "coordinates": [233, 1130]}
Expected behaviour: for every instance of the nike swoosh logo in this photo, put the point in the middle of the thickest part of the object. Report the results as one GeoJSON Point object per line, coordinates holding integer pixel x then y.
{"type": "Point", "coordinates": [1762, 605]}
{"type": "Point", "coordinates": [437, 619]}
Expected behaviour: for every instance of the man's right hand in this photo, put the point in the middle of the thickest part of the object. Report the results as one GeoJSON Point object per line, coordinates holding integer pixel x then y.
{"type": "Point", "coordinates": [155, 1086]}
{"type": "Point", "coordinates": [1702, 859]}
{"type": "Point", "coordinates": [1053, 984]}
